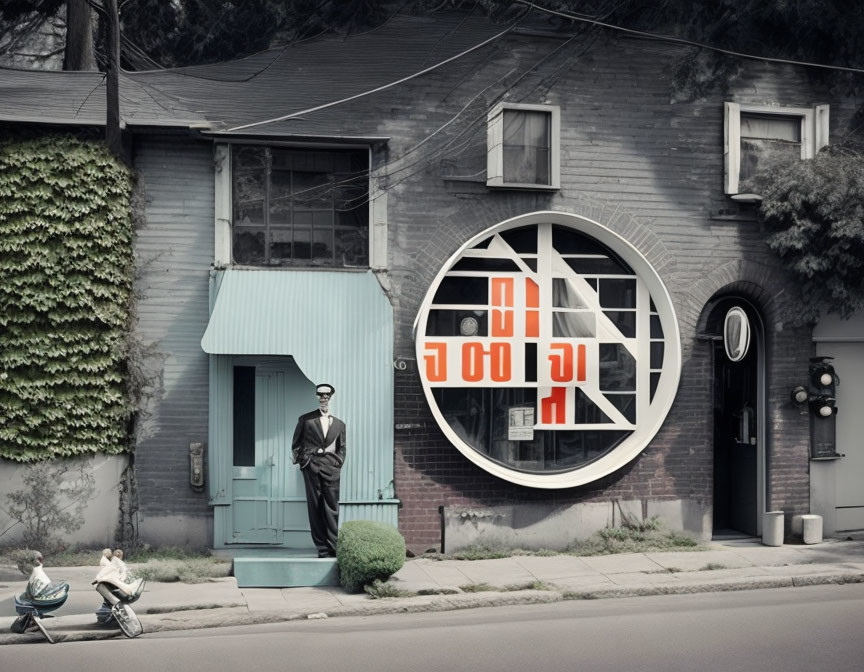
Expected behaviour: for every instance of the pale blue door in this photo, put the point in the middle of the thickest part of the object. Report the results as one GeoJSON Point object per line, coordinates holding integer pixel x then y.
{"type": "Point", "coordinates": [269, 499]}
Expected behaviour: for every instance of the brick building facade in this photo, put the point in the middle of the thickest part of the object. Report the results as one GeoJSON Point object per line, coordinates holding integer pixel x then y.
{"type": "Point", "coordinates": [635, 156]}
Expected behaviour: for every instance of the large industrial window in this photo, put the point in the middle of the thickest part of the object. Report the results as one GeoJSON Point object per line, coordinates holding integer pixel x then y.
{"type": "Point", "coordinates": [300, 207]}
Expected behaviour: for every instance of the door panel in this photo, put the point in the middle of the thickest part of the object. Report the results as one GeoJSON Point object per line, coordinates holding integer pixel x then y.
{"type": "Point", "coordinates": [736, 434]}
{"type": "Point", "coordinates": [269, 500]}
{"type": "Point", "coordinates": [291, 395]}
{"type": "Point", "coordinates": [849, 364]}
{"type": "Point", "coordinates": [250, 504]}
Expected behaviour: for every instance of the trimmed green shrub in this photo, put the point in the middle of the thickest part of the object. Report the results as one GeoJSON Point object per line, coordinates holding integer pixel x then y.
{"type": "Point", "coordinates": [368, 551]}
{"type": "Point", "coordinates": [66, 273]}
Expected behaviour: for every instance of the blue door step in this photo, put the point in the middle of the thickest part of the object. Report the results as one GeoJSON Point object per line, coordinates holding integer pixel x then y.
{"type": "Point", "coordinates": [258, 569]}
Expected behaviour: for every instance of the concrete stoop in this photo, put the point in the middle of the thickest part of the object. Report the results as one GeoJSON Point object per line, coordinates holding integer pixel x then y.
{"type": "Point", "coordinates": [274, 571]}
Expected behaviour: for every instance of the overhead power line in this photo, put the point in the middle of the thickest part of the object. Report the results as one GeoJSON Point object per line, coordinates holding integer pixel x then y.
{"type": "Point", "coordinates": [384, 87]}
{"type": "Point", "coordinates": [680, 40]}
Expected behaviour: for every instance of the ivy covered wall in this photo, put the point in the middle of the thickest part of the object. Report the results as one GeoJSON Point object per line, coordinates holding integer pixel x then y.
{"type": "Point", "coordinates": [66, 271]}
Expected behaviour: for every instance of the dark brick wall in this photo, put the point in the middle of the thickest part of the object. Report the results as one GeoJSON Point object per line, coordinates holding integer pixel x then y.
{"type": "Point", "coordinates": [632, 159]}
{"type": "Point", "coordinates": [174, 252]}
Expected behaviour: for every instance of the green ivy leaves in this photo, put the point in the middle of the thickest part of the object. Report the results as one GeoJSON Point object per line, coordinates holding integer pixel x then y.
{"type": "Point", "coordinates": [66, 272]}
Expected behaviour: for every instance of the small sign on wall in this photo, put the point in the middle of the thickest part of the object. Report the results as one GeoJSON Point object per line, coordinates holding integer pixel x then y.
{"type": "Point", "coordinates": [521, 424]}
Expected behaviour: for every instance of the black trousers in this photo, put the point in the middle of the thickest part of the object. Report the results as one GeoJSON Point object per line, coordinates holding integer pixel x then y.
{"type": "Point", "coordinates": [321, 478]}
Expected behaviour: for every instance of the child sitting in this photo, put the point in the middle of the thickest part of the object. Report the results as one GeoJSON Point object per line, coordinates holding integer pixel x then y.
{"type": "Point", "coordinates": [115, 572]}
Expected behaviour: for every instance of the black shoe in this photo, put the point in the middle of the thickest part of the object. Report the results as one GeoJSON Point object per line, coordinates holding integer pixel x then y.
{"type": "Point", "coordinates": [323, 554]}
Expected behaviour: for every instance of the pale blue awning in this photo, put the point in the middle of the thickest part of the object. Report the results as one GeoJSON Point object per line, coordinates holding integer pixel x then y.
{"type": "Point", "coordinates": [338, 326]}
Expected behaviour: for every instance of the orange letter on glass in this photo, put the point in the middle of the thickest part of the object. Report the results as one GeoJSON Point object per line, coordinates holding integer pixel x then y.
{"type": "Point", "coordinates": [561, 370]}
{"type": "Point", "coordinates": [502, 295]}
{"type": "Point", "coordinates": [502, 322]}
{"type": "Point", "coordinates": [532, 317]}
{"type": "Point", "coordinates": [472, 362]}
{"type": "Point", "coordinates": [580, 362]}
{"type": "Point", "coordinates": [532, 324]}
{"type": "Point", "coordinates": [532, 293]}
{"type": "Point", "coordinates": [500, 365]}
{"type": "Point", "coordinates": [555, 404]}
{"type": "Point", "coordinates": [502, 292]}
{"type": "Point", "coordinates": [436, 363]}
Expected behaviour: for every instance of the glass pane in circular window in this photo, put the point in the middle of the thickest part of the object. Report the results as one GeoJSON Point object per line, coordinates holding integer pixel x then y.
{"type": "Point", "coordinates": [548, 350]}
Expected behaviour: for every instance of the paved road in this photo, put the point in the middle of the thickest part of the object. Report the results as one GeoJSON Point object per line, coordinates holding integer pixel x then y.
{"type": "Point", "coordinates": [813, 628]}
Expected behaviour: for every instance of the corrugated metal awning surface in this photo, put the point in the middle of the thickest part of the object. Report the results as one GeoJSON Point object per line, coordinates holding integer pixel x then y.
{"type": "Point", "coordinates": [338, 327]}
{"type": "Point", "coordinates": [311, 315]}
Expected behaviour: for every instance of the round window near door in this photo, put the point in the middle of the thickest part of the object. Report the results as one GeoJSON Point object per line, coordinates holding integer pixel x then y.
{"type": "Point", "coordinates": [548, 350]}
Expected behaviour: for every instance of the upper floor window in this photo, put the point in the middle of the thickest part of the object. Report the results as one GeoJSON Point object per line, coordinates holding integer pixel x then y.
{"type": "Point", "coordinates": [299, 207]}
{"type": "Point", "coordinates": [759, 137]}
{"type": "Point", "coordinates": [523, 146]}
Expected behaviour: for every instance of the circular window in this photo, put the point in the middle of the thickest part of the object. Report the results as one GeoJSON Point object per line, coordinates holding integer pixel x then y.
{"type": "Point", "coordinates": [548, 350]}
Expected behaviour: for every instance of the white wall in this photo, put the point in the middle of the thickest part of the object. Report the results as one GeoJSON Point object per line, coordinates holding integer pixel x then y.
{"type": "Point", "coordinates": [538, 526]}
{"type": "Point", "coordinates": [836, 492]}
{"type": "Point", "coordinates": [101, 515]}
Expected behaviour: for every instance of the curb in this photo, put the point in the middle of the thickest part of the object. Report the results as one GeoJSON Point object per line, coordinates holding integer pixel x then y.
{"type": "Point", "coordinates": [231, 615]}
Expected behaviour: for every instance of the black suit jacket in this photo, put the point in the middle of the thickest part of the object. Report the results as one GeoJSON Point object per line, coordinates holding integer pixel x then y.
{"type": "Point", "coordinates": [309, 437]}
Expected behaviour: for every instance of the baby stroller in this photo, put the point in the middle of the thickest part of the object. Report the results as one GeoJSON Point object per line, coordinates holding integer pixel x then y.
{"type": "Point", "coordinates": [41, 597]}
{"type": "Point", "coordinates": [118, 595]}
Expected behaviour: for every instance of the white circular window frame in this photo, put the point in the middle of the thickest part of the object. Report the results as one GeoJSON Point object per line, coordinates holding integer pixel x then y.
{"type": "Point", "coordinates": [667, 386]}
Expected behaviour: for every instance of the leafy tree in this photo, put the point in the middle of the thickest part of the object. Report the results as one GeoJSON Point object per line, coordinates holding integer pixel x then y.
{"type": "Point", "coordinates": [813, 213]}
{"type": "Point", "coordinates": [818, 31]}
{"type": "Point", "coordinates": [172, 33]}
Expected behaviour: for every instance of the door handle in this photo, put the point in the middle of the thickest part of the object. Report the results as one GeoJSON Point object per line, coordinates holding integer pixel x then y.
{"type": "Point", "coordinates": [270, 462]}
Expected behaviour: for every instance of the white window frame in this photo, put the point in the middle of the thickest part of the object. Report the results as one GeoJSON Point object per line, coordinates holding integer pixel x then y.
{"type": "Point", "coordinates": [223, 212]}
{"type": "Point", "coordinates": [495, 146]}
{"type": "Point", "coordinates": [814, 136]}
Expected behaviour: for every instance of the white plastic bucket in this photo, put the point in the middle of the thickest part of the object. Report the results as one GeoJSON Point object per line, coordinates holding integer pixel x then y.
{"type": "Point", "coordinates": [772, 528]}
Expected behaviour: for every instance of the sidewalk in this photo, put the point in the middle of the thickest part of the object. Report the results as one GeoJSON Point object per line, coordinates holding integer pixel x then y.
{"type": "Point", "coordinates": [732, 565]}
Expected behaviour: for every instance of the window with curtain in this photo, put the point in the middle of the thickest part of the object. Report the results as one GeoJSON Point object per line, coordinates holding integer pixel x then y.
{"type": "Point", "coordinates": [526, 147]}
{"type": "Point", "coordinates": [523, 146]}
{"type": "Point", "coordinates": [760, 138]}
{"type": "Point", "coordinates": [768, 140]}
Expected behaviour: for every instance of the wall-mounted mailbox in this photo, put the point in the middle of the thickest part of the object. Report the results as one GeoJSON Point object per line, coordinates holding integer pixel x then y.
{"type": "Point", "coordinates": [196, 465]}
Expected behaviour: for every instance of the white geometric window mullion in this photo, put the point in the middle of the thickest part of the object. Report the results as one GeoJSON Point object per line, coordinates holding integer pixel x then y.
{"type": "Point", "coordinates": [606, 329]}
{"type": "Point", "coordinates": [526, 397]}
{"type": "Point", "coordinates": [643, 349]}
{"type": "Point", "coordinates": [551, 264]}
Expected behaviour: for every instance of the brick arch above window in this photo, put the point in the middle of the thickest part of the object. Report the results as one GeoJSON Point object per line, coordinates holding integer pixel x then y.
{"type": "Point", "coordinates": [765, 286]}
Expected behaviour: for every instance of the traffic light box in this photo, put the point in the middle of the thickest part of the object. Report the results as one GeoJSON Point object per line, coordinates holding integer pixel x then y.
{"type": "Point", "coordinates": [823, 407]}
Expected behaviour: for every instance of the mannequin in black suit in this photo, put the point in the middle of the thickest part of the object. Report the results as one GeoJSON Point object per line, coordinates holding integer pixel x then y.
{"type": "Point", "coordinates": [320, 455]}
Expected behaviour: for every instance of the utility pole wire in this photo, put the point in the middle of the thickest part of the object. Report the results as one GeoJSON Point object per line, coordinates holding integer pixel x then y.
{"type": "Point", "coordinates": [113, 135]}
{"type": "Point", "coordinates": [681, 40]}
{"type": "Point", "coordinates": [87, 97]}
{"type": "Point", "coordinates": [372, 91]}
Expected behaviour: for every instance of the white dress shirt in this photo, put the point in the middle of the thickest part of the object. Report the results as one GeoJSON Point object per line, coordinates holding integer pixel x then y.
{"type": "Point", "coordinates": [326, 421]}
